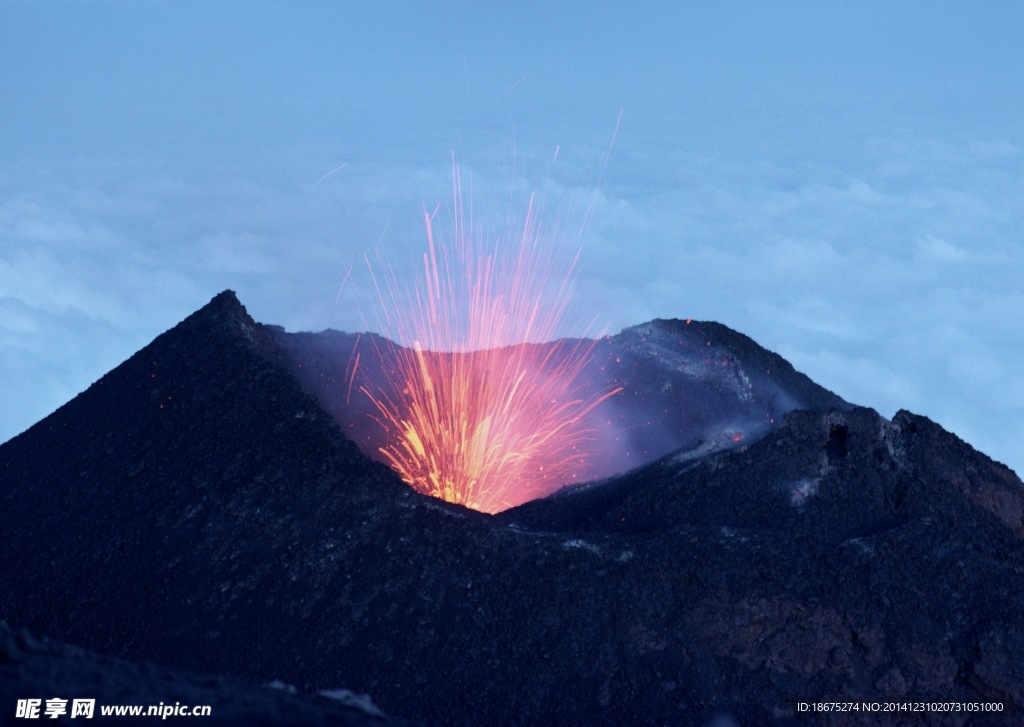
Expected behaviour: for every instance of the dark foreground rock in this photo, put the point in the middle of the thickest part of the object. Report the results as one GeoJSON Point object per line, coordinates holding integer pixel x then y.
{"type": "Point", "coordinates": [197, 508]}
{"type": "Point", "coordinates": [40, 669]}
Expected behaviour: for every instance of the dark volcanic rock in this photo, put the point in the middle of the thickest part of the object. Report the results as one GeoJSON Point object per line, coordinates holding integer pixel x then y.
{"type": "Point", "coordinates": [40, 669]}
{"type": "Point", "coordinates": [196, 508]}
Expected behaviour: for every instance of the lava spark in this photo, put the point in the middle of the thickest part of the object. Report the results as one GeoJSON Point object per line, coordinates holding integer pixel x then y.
{"type": "Point", "coordinates": [481, 411]}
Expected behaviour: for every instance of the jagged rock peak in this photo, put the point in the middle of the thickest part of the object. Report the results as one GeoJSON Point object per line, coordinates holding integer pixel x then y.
{"type": "Point", "coordinates": [226, 313]}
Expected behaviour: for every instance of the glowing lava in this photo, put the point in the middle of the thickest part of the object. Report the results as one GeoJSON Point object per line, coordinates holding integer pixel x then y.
{"type": "Point", "coordinates": [480, 413]}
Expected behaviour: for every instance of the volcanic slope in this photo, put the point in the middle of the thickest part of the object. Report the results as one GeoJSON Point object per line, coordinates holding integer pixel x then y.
{"type": "Point", "coordinates": [195, 507]}
{"type": "Point", "coordinates": [32, 668]}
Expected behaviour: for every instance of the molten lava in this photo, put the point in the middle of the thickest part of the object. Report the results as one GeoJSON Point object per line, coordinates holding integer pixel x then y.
{"type": "Point", "coordinates": [480, 414]}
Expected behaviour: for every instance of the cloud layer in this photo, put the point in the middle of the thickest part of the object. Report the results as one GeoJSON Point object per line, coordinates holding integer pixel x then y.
{"type": "Point", "coordinates": [843, 185]}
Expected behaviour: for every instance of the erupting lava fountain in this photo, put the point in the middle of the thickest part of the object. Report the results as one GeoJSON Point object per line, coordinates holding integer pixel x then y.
{"type": "Point", "coordinates": [481, 411]}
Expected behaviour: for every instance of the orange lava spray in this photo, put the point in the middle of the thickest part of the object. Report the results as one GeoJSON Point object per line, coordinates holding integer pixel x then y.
{"type": "Point", "coordinates": [481, 410]}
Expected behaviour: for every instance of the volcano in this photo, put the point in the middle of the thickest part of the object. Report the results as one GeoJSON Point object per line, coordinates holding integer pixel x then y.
{"type": "Point", "coordinates": [745, 545]}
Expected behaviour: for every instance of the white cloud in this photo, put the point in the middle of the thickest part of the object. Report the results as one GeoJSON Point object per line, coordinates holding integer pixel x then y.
{"type": "Point", "coordinates": [931, 249]}
{"type": "Point", "coordinates": [888, 270]}
{"type": "Point", "coordinates": [889, 274]}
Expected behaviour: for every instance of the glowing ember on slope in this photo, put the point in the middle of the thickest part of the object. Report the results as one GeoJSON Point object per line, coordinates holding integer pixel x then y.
{"type": "Point", "coordinates": [482, 414]}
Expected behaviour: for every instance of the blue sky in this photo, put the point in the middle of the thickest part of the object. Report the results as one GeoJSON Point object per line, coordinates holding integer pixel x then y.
{"type": "Point", "coordinates": [843, 182]}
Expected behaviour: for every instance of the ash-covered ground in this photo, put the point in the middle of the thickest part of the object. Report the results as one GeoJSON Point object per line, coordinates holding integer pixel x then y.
{"type": "Point", "coordinates": [200, 507]}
